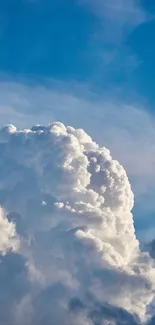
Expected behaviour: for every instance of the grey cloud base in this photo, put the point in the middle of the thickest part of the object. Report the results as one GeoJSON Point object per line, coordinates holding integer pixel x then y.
{"type": "Point", "coordinates": [69, 253]}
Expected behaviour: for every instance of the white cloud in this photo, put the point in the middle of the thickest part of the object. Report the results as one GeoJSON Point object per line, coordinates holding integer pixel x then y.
{"type": "Point", "coordinates": [9, 240]}
{"type": "Point", "coordinates": [82, 242]}
{"type": "Point", "coordinates": [128, 130]}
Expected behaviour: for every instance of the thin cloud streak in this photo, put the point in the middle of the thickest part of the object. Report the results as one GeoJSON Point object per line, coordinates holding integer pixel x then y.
{"type": "Point", "coordinates": [117, 19]}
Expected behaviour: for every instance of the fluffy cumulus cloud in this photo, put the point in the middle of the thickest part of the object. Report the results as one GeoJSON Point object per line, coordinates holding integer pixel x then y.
{"type": "Point", "coordinates": [67, 241]}
{"type": "Point", "coordinates": [8, 237]}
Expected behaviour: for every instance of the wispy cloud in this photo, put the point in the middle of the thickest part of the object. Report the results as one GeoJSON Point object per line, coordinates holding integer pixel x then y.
{"type": "Point", "coordinates": [117, 18]}
{"type": "Point", "coordinates": [114, 59]}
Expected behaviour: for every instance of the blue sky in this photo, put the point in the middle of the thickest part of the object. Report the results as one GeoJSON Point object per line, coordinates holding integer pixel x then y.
{"type": "Point", "coordinates": [90, 64]}
{"type": "Point", "coordinates": [46, 39]}
{"type": "Point", "coordinates": [108, 45]}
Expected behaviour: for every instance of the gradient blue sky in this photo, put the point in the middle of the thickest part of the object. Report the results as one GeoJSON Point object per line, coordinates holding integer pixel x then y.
{"type": "Point", "coordinates": [107, 43]}
{"type": "Point", "coordinates": [87, 63]}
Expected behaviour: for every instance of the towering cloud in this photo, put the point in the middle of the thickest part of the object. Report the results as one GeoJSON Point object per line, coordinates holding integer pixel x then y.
{"type": "Point", "coordinates": [71, 204]}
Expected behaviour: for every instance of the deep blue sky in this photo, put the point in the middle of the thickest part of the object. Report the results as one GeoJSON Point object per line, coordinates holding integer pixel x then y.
{"type": "Point", "coordinates": [67, 40]}
{"type": "Point", "coordinates": [45, 39]}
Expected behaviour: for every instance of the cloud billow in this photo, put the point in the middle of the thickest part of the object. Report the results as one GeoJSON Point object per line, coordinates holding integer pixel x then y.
{"type": "Point", "coordinates": [67, 221]}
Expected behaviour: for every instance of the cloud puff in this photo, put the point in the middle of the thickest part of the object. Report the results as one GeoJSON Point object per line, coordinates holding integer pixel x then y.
{"type": "Point", "coordinates": [8, 237]}
{"type": "Point", "coordinates": [72, 203]}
